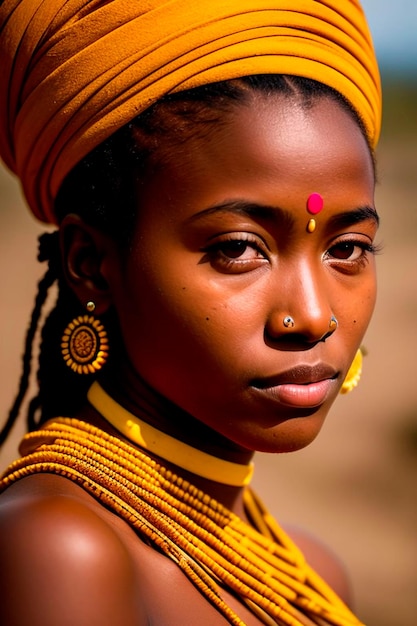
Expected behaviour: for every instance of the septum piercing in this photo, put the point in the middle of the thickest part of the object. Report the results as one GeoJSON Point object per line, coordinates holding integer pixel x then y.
{"type": "Point", "coordinates": [288, 321]}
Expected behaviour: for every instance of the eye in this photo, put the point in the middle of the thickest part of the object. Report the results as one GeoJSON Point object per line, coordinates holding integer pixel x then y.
{"type": "Point", "coordinates": [349, 250]}
{"type": "Point", "coordinates": [350, 256]}
{"type": "Point", "coordinates": [236, 249]}
{"type": "Point", "coordinates": [237, 253]}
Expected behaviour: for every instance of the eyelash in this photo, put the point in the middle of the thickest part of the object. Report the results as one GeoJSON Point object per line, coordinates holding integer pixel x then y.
{"type": "Point", "coordinates": [217, 256]}
{"type": "Point", "coordinates": [348, 265]}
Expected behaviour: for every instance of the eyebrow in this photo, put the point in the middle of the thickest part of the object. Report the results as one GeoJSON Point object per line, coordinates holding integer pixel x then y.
{"type": "Point", "coordinates": [242, 207]}
{"type": "Point", "coordinates": [349, 218]}
{"type": "Point", "coordinates": [285, 217]}
{"type": "Point", "coordinates": [255, 211]}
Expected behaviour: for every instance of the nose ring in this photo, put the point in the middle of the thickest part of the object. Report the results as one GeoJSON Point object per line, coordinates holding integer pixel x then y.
{"type": "Point", "coordinates": [333, 324]}
{"type": "Point", "coordinates": [288, 321]}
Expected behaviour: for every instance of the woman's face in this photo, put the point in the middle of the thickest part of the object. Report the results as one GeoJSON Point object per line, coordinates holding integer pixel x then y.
{"type": "Point", "coordinates": [221, 255]}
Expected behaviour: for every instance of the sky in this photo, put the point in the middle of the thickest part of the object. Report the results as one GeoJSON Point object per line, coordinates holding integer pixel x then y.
{"type": "Point", "coordinates": [393, 25]}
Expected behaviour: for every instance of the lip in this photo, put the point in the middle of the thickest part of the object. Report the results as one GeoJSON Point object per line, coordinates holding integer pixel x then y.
{"type": "Point", "coordinates": [304, 386]}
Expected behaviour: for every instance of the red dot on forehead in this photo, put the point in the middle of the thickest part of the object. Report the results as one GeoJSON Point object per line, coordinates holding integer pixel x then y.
{"type": "Point", "coordinates": [314, 203]}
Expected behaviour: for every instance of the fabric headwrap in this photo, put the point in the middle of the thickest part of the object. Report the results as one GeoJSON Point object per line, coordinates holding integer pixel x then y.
{"type": "Point", "coordinates": [74, 71]}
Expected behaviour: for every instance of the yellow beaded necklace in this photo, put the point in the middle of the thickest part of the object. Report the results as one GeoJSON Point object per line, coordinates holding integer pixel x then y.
{"type": "Point", "coordinates": [212, 546]}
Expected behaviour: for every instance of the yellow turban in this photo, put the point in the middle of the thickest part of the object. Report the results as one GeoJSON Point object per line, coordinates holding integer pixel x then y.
{"type": "Point", "coordinates": [74, 71]}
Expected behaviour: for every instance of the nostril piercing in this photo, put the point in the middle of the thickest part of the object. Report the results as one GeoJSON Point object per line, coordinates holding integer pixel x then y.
{"type": "Point", "coordinates": [333, 324]}
{"type": "Point", "coordinates": [288, 321]}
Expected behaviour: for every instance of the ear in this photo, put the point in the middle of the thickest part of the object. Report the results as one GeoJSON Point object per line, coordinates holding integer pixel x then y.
{"type": "Point", "coordinates": [85, 255]}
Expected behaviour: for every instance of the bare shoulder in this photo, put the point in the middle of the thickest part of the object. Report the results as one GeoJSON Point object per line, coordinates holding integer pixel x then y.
{"type": "Point", "coordinates": [324, 561]}
{"type": "Point", "coordinates": [65, 564]}
{"type": "Point", "coordinates": [71, 561]}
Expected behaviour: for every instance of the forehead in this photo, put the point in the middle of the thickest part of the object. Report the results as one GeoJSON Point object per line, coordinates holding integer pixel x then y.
{"type": "Point", "coordinates": [310, 138]}
{"type": "Point", "coordinates": [272, 146]}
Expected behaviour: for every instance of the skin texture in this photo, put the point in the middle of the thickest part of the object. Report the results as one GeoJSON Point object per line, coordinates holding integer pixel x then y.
{"type": "Point", "coordinates": [205, 330]}
{"type": "Point", "coordinates": [219, 257]}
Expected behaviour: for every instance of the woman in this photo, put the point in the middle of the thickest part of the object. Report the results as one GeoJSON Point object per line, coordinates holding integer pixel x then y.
{"type": "Point", "coordinates": [210, 170]}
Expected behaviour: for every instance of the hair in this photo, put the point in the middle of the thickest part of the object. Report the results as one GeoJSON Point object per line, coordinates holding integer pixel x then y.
{"type": "Point", "coordinates": [103, 190]}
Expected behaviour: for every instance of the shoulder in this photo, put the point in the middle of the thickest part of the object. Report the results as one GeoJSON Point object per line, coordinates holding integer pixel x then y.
{"type": "Point", "coordinates": [62, 557]}
{"type": "Point", "coordinates": [324, 561]}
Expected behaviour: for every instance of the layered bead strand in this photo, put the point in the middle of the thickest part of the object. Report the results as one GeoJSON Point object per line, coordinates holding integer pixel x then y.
{"type": "Point", "coordinates": [212, 545]}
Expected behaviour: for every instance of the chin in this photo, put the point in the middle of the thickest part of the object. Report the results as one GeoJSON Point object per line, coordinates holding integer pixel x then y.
{"type": "Point", "coordinates": [290, 436]}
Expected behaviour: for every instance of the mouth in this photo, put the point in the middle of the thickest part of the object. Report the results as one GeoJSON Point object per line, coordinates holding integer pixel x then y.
{"type": "Point", "coordinates": [304, 386]}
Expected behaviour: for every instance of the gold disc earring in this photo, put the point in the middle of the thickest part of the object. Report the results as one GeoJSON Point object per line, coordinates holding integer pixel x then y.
{"type": "Point", "coordinates": [84, 344]}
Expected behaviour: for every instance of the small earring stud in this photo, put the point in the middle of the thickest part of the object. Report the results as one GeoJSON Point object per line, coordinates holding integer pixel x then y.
{"type": "Point", "coordinates": [90, 306]}
{"type": "Point", "coordinates": [288, 322]}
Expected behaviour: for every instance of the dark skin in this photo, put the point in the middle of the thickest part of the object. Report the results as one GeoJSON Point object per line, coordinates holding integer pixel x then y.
{"type": "Point", "coordinates": [220, 255]}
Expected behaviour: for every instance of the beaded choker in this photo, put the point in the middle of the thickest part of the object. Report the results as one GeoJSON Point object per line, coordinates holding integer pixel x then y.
{"type": "Point", "coordinates": [167, 447]}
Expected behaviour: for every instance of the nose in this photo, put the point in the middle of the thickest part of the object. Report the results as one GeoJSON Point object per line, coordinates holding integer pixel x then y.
{"type": "Point", "coordinates": [301, 308]}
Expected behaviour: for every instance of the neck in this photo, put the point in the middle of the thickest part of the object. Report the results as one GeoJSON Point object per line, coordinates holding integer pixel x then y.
{"type": "Point", "coordinates": [135, 395]}
{"type": "Point", "coordinates": [167, 447]}
{"type": "Point", "coordinates": [142, 402]}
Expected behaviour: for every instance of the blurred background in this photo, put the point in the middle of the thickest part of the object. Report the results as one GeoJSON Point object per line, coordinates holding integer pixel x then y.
{"type": "Point", "coordinates": [356, 486]}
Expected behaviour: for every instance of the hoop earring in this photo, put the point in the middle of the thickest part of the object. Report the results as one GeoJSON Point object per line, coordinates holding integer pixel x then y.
{"type": "Point", "coordinates": [354, 373]}
{"type": "Point", "coordinates": [84, 344]}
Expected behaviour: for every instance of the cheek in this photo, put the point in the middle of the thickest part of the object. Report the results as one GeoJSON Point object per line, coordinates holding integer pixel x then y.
{"type": "Point", "coordinates": [369, 299]}
{"type": "Point", "coordinates": [180, 329]}
{"type": "Point", "coordinates": [165, 323]}
{"type": "Point", "coordinates": [355, 310]}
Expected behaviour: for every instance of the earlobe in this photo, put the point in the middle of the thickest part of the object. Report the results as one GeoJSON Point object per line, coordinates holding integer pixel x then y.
{"type": "Point", "coordinates": [84, 251]}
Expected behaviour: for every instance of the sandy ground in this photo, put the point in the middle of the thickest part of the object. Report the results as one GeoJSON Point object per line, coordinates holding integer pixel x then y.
{"type": "Point", "coordinates": [356, 485]}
